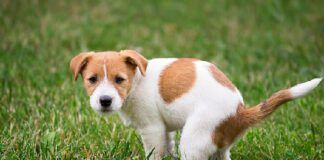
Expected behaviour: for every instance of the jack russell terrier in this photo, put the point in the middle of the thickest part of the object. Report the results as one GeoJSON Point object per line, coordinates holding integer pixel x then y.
{"type": "Point", "coordinates": [163, 95]}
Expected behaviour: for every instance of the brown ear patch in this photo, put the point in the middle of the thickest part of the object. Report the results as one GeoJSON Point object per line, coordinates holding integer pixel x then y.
{"type": "Point", "coordinates": [177, 79]}
{"type": "Point", "coordinates": [77, 63]}
{"type": "Point", "coordinates": [221, 78]}
{"type": "Point", "coordinates": [136, 59]}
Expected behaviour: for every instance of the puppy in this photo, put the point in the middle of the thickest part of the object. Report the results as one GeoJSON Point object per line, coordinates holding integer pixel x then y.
{"type": "Point", "coordinates": [163, 95]}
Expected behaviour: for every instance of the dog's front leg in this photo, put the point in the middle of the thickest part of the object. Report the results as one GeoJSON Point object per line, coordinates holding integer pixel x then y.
{"type": "Point", "coordinates": [155, 141]}
{"type": "Point", "coordinates": [171, 149]}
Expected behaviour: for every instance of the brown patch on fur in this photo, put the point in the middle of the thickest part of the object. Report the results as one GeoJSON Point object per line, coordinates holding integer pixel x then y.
{"type": "Point", "coordinates": [234, 126]}
{"type": "Point", "coordinates": [225, 134]}
{"type": "Point", "coordinates": [221, 78]}
{"type": "Point", "coordinates": [177, 79]}
{"type": "Point", "coordinates": [116, 65]}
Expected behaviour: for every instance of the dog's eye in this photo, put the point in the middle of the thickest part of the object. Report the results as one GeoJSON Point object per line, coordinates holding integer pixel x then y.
{"type": "Point", "coordinates": [93, 79]}
{"type": "Point", "coordinates": [119, 80]}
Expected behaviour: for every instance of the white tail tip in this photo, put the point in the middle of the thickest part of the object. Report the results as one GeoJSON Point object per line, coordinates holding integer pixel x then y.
{"type": "Point", "coordinates": [302, 89]}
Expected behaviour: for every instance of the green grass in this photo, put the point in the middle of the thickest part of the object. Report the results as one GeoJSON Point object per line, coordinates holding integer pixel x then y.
{"type": "Point", "coordinates": [263, 46]}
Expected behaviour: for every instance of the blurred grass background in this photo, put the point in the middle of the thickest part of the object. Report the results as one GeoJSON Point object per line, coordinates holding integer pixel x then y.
{"type": "Point", "coordinates": [263, 46]}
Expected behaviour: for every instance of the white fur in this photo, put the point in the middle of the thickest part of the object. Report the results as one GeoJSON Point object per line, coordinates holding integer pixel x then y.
{"type": "Point", "coordinates": [105, 88]}
{"type": "Point", "coordinates": [303, 88]}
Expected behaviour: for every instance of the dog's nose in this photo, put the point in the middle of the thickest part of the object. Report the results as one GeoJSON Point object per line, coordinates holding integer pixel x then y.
{"type": "Point", "coordinates": [105, 101]}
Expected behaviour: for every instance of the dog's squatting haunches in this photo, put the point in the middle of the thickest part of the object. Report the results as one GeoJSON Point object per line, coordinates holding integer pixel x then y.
{"type": "Point", "coordinates": [160, 96]}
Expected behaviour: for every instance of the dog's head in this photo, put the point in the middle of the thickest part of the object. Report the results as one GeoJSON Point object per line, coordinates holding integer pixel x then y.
{"type": "Point", "coordinates": [108, 76]}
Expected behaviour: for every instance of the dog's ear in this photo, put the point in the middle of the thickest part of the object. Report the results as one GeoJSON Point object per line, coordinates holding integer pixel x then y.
{"type": "Point", "coordinates": [78, 63]}
{"type": "Point", "coordinates": [136, 59]}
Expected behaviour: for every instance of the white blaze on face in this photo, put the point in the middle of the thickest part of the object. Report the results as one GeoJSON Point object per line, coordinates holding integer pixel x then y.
{"type": "Point", "coordinates": [105, 88]}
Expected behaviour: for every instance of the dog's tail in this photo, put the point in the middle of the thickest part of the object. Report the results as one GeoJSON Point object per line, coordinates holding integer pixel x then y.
{"type": "Point", "coordinates": [244, 118]}
{"type": "Point", "coordinates": [256, 114]}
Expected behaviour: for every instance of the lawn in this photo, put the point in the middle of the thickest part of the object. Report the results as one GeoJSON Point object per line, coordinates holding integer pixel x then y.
{"type": "Point", "coordinates": [262, 46]}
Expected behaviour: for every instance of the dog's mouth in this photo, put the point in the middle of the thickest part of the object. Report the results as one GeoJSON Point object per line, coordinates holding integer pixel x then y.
{"type": "Point", "coordinates": [106, 110]}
